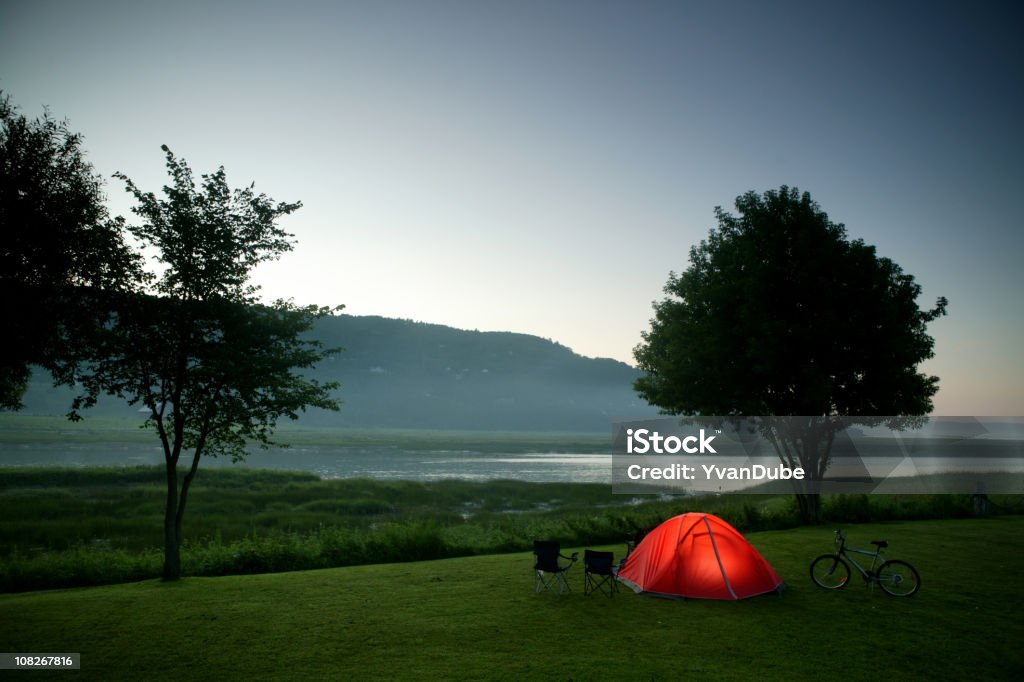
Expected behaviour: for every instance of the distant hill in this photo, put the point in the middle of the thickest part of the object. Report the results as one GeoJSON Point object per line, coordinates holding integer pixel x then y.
{"type": "Point", "coordinates": [405, 374]}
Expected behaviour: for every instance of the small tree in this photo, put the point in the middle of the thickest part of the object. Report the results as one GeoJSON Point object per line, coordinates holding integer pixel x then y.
{"type": "Point", "coordinates": [213, 368]}
{"type": "Point", "coordinates": [780, 314]}
{"type": "Point", "coordinates": [60, 249]}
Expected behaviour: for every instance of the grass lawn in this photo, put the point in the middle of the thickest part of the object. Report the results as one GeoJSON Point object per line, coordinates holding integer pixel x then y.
{"type": "Point", "coordinates": [478, 617]}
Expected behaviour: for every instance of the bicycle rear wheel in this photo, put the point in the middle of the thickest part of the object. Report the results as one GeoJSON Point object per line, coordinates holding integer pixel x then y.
{"type": "Point", "coordinates": [898, 578]}
{"type": "Point", "coordinates": [830, 572]}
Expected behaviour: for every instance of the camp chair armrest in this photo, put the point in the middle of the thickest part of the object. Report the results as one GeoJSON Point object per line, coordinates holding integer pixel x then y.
{"type": "Point", "coordinates": [548, 569]}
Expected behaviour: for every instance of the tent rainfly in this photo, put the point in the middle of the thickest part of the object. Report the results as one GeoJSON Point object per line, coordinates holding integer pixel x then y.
{"type": "Point", "coordinates": [699, 556]}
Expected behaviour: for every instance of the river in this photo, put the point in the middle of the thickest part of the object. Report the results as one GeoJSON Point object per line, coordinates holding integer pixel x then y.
{"type": "Point", "coordinates": [338, 462]}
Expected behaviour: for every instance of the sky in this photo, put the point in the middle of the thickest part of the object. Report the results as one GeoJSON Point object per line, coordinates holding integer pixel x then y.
{"type": "Point", "coordinates": [541, 167]}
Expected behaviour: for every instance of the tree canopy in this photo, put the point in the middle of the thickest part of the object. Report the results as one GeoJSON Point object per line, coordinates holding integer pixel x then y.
{"type": "Point", "coordinates": [60, 248]}
{"type": "Point", "coordinates": [212, 367]}
{"type": "Point", "coordinates": [779, 313]}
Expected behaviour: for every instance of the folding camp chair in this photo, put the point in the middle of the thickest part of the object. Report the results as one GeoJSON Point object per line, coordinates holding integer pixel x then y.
{"type": "Point", "coordinates": [549, 572]}
{"type": "Point", "coordinates": [599, 573]}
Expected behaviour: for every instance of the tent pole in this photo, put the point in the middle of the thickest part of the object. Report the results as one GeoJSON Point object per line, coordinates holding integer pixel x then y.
{"type": "Point", "coordinates": [718, 557]}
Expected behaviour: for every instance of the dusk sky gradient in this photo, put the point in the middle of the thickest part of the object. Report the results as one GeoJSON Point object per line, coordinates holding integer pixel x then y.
{"type": "Point", "coordinates": [540, 167]}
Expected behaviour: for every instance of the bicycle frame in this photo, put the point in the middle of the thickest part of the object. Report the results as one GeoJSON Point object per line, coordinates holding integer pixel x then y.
{"type": "Point", "coordinates": [875, 556]}
{"type": "Point", "coordinates": [845, 553]}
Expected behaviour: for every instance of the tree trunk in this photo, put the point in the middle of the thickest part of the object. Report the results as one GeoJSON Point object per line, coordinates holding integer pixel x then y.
{"type": "Point", "coordinates": [810, 508]}
{"type": "Point", "coordinates": [186, 483]}
{"type": "Point", "coordinates": [807, 445]}
{"type": "Point", "coordinates": [172, 529]}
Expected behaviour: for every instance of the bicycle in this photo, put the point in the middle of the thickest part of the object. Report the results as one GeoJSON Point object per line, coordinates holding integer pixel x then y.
{"type": "Point", "coordinates": [831, 572]}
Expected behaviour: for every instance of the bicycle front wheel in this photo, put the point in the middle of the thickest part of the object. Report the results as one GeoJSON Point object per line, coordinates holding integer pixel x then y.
{"type": "Point", "coordinates": [898, 578]}
{"type": "Point", "coordinates": [830, 572]}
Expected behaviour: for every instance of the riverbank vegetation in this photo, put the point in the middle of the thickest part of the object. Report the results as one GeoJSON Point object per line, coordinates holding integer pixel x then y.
{"type": "Point", "coordinates": [36, 429]}
{"type": "Point", "coordinates": [67, 527]}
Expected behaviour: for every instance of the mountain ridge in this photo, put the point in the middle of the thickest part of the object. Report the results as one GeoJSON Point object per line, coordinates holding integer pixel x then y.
{"type": "Point", "coordinates": [399, 373]}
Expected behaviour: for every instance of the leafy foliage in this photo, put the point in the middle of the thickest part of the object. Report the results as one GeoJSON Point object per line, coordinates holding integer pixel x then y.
{"type": "Point", "coordinates": [780, 314]}
{"type": "Point", "coordinates": [60, 246]}
{"type": "Point", "coordinates": [208, 240]}
{"type": "Point", "coordinates": [212, 375]}
{"type": "Point", "coordinates": [212, 368]}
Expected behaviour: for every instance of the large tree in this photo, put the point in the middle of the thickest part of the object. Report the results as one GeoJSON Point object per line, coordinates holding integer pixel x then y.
{"type": "Point", "coordinates": [60, 251]}
{"type": "Point", "coordinates": [213, 368]}
{"type": "Point", "coordinates": [779, 313]}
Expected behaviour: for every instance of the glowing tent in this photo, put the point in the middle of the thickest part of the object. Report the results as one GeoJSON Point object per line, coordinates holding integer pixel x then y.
{"type": "Point", "coordinates": [701, 556]}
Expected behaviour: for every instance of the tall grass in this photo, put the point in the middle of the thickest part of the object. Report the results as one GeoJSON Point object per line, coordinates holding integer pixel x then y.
{"type": "Point", "coordinates": [69, 527]}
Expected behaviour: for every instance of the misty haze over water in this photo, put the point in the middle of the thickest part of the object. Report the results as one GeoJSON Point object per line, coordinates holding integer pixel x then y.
{"type": "Point", "coordinates": [337, 462]}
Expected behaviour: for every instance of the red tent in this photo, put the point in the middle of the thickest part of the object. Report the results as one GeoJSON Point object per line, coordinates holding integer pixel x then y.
{"type": "Point", "coordinates": [698, 555]}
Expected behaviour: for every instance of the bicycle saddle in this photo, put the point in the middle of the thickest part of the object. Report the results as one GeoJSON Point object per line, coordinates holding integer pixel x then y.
{"type": "Point", "coordinates": [882, 544]}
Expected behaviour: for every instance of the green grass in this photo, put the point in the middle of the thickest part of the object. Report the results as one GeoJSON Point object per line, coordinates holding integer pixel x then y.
{"type": "Point", "coordinates": [478, 618]}
{"type": "Point", "coordinates": [73, 527]}
{"type": "Point", "coordinates": [91, 526]}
